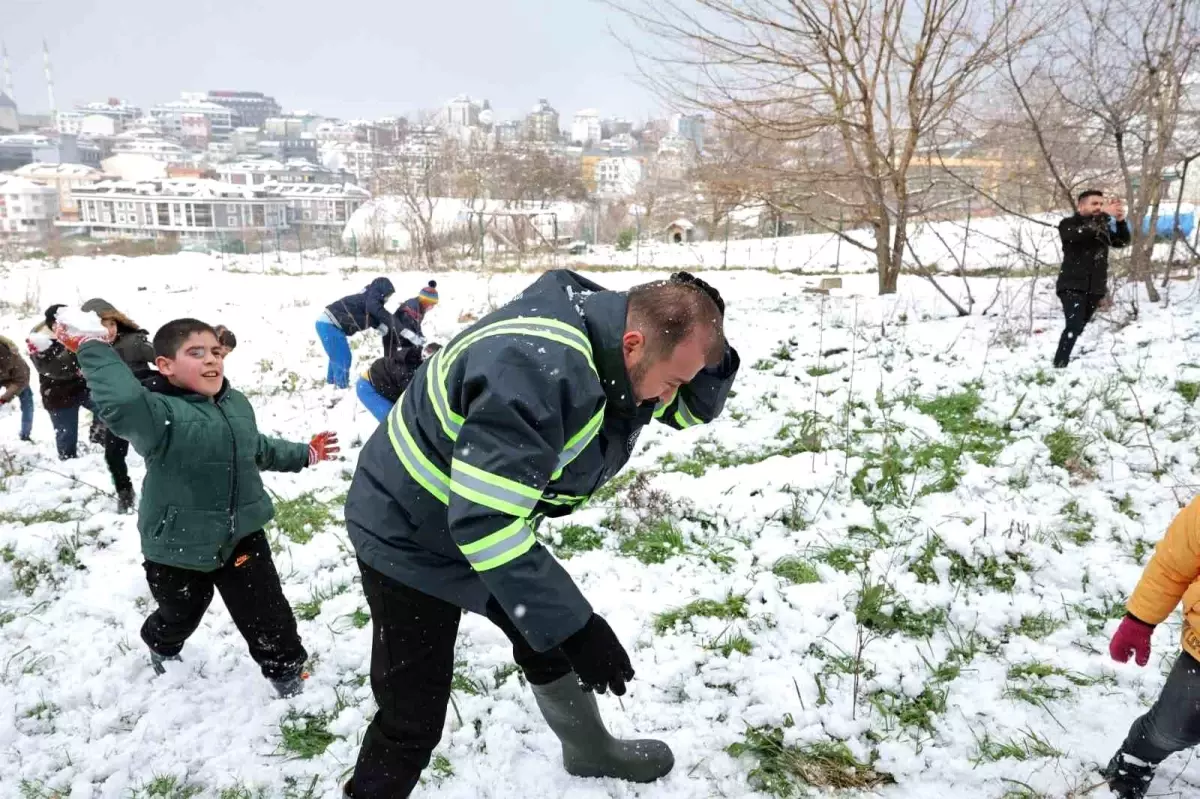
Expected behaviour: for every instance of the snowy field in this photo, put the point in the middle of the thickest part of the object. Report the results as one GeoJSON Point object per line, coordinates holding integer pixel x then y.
{"type": "Point", "coordinates": [892, 566]}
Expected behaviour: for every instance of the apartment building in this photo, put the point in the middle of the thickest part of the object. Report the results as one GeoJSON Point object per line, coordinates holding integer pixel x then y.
{"type": "Point", "coordinates": [253, 172]}
{"type": "Point", "coordinates": [186, 209]}
{"type": "Point", "coordinates": [194, 117]}
{"type": "Point", "coordinates": [319, 205]}
{"type": "Point", "coordinates": [251, 109]}
{"type": "Point", "coordinates": [27, 209]}
{"type": "Point", "coordinates": [63, 178]}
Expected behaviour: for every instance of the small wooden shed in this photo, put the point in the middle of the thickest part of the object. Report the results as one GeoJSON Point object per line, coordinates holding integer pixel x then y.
{"type": "Point", "coordinates": [680, 231]}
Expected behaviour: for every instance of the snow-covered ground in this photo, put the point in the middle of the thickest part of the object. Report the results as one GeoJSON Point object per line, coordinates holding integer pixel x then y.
{"type": "Point", "coordinates": [915, 544]}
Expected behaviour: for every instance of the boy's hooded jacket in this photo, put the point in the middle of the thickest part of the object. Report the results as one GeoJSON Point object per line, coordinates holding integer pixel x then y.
{"type": "Point", "coordinates": [1173, 574]}
{"type": "Point", "coordinates": [355, 313]}
{"type": "Point", "coordinates": [203, 492]}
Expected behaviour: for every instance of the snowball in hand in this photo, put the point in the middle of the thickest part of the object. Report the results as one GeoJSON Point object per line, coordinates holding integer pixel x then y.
{"type": "Point", "coordinates": [40, 341]}
{"type": "Point", "coordinates": [79, 321]}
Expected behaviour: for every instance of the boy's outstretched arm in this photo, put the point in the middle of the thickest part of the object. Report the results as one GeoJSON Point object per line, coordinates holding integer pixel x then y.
{"type": "Point", "coordinates": [134, 413]}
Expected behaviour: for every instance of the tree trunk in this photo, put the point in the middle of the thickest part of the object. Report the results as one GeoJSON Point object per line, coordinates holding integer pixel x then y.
{"type": "Point", "coordinates": [889, 272]}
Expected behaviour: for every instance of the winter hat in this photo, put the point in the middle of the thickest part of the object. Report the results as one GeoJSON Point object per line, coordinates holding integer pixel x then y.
{"type": "Point", "coordinates": [98, 307]}
{"type": "Point", "coordinates": [429, 295]}
{"type": "Point", "coordinates": [51, 313]}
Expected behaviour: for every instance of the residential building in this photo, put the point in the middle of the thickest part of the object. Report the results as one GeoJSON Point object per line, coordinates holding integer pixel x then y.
{"type": "Point", "coordinates": [251, 109]}
{"type": "Point", "coordinates": [27, 209]}
{"type": "Point", "coordinates": [219, 152]}
{"type": "Point", "coordinates": [63, 178]}
{"type": "Point", "coordinates": [542, 123]}
{"type": "Point", "coordinates": [463, 112]}
{"type": "Point", "coordinates": [188, 209]}
{"type": "Point", "coordinates": [123, 114]}
{"type": "Point", "coordinates": [615, 126]}
{"type": "Point", "coordinates": [586, 128]}
{"type": "Point", "coordinates": [20, 149]}
{"type": "Point", "coordinates": [618, 176]}
{"type": "Point", "coordinates": [689, 127]}
{"type": "Point", "coordinates": [193, 115]}
{"type": "Point", "coordinates": [319, 205]}
{"type": "Point", "coordinates": [10, 118]}
{"type": "Point", "coordinates": [283, 128]}
{"type": "Point", "coordinates": [356, 158]}
{"type": "Point", "coordinates": [158, 149]}
{"type": "Point", "coordinates": [334, 132]}
{"type": "Point", "coordinates": [244, 140]}
{"type": "Point", "coordinates": [507, 132]}
{"type": "Point", "coordinates": [304, 146]}
{"type": "Point", "coordinates": [261, 171]}
{"type": "Point", "coordinates": [97, 119]}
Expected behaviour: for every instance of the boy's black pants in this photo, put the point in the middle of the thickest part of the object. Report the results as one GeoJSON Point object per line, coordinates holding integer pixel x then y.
{"type": "Point", "coordinates": [1173, 723]}
{"type": "Point", "coordinates": [412, 668]}
{"type": "Point", "coordinates": [250, 587]}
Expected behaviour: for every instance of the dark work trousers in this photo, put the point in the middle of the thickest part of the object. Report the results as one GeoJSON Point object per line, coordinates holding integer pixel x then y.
{"type": "Point", "coordinates": [250, 587]}
{"type": "Point", "coordinates": [1173, 723]}
{"type": "Point", "coordinates": [412, 667]}
{"type": "Point", "coordinates": [1078, 308]}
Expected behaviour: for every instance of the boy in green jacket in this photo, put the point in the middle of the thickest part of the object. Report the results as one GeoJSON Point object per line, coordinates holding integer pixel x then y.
{"type": "Point", "coordinates": [203, 505]}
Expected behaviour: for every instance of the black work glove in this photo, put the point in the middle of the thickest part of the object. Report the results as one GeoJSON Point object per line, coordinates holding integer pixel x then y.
{"type": "Point", "coordinates": [688, 277]}
{"type": "Point", "coordinates": [599, 660]}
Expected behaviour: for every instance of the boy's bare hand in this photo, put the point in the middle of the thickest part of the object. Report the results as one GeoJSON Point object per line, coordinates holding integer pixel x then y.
{"type": "Point", "coordinates": [323, 447]}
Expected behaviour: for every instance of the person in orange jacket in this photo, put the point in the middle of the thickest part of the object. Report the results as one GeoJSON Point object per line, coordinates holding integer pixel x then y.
{"type": "Point", "coordinates": [1173, 723]}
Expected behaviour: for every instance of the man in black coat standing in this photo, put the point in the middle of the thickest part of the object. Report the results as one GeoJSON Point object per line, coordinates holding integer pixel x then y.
{"type": "Point", "coordinates": [1097, 224]}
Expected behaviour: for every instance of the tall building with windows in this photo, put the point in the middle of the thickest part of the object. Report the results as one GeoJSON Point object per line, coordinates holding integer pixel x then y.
{"type": "Point", "coordinates": [689, 127]}
{"type": "Point", "coordinates": [586, 128]}
{"type": "Point", "coordinates": [542, 123]}
{"type": "Point", "coordinates": [251, 109]}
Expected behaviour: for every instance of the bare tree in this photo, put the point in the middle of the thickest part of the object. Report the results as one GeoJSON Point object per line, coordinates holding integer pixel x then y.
{"type": "Point", "coordinates": [852, 88]}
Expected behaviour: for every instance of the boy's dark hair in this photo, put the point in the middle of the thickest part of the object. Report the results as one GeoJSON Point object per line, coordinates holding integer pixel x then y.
{"type": "Point", "coordinates": [672, 311]}
{"type": "Point", "coordinates": [170, 337]}
{"type": "Point", "coordinates": [227, 339]}
{"type": "Point", "coordinates": [1083, 195]}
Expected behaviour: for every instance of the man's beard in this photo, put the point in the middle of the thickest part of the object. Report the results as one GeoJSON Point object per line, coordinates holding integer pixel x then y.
{"type": "Point", "coordinates": [636, 374]}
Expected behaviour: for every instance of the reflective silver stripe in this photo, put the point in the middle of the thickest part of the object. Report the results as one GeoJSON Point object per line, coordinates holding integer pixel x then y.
{"type": "Point", "coordinates": [418, 466]}
{"type": "Point", "coordinates": [685, 416]}
{"type": "Point", "coordinates": [494, 554]}
{"type": "Point", "coordinates": [489, 494]}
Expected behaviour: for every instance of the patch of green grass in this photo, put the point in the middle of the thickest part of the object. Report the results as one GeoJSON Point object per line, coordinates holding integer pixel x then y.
{"type": "Point", "coordinates": [1067, 451]}
{"type": "Point", "coordinates": [918, 711]}
{"type": "Point", "coordinates": [1079, 523]}
{"type": "Point", "coordinates": [441, 769]}
{"type": "Point", "coordinates": [795, 570]}
{"type": "Point", "coordinates": [305, 735]}
{"type": "Point", "coordinates": [729, 642]}
{"type": "Point", "coordinates": [169, 787]}
{"type": "Point", "coordinates": [883, 611]}
{"type": "Point", "coordinates": [49, 516]}
{"type": "Point", "coordinates": [301, 517]}
{"type": "Point", "coordinates": [310, 608]}
{"type": "Point", "coordinates": [1097, 618]}
{"type": "Point", "coordinates": [1188, 390]}
{"type": "Point", "coordinates": [764, 365]}
{"type": "Point", "coordinates": [843, 559]}
{"type": "Point", "coordinates": [609, 490]}
{"type": "Point", "coordinates": [36, 789]}
{"type": "Point", "coordinates": [1027, 746]}
{"type": "Point", "coordinates": [821, 371]}
{"type": "Point", "coordinates": [782, 770]}
{"type": "Point", "coordinates": [1125, 506]}
{"type": "Point", "coordinates": [42, 711]}
{"type": "Point", "coordinates": [465, 684]}
{"type": "Point", "coordinates": [240, 791]}
{"type": "Point", "coordinates": [734, 606]}
{"type": "Point", "coordinates": [1037, 626]}
{"type": "Point", "coordinates": [784, 352]}
{"type": "Point", "coordinates": [655, 542]}
{"type": "Point", "coordinates": [803, 432]}
{"type": "Point", "coordinates": [29, 573]}
{"type": "Point", "coordinates": [576, 538]}
{"type": "Point", "coordinates": [1038, 378]}
{"type": "Point", "coordinates": [360, 618]}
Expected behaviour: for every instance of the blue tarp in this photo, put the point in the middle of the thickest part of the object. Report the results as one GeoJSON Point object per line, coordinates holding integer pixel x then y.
{"type": "Point", "coordinates": [1166, 223]}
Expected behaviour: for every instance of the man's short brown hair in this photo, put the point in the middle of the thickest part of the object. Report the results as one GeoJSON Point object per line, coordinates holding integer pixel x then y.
{"type": "Point", "coordinates": [667, 312]}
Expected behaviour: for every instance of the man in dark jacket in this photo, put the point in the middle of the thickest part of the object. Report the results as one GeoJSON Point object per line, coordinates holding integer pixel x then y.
{"type": "Point", "coordinates": [14, 384]}
{"type": "Point", "coordinates": [203, 502]}
{"type": "Point", "coordinates": [348, 316]}
{"type": "Point", "coordinates": [1096, 225]}
{"type": "Point", "coordinates": [406, 332]}
{"type": "Point", "coordinates": [523, 415]}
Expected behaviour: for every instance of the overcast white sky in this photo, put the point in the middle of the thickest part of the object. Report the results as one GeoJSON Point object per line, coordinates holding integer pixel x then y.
{"type": "Point", "coordinates": [347, 58]}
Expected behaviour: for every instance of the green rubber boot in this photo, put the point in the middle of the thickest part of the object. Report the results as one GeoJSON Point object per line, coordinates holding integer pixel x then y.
{"type": "Point", "coordinates": [588, 749]}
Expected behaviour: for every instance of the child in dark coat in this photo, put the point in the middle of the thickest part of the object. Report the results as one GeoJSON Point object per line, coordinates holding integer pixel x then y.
{"type": "Point", "coordinates": [380, 387]}
{"type": "Point", "coordinates": [348, 316]}
{"type": "Point", "coordinates": [203, 505]}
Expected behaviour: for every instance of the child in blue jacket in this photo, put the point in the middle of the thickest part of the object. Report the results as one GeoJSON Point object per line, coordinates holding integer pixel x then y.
{"type": "Point", "coordinates": [352, 314]}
